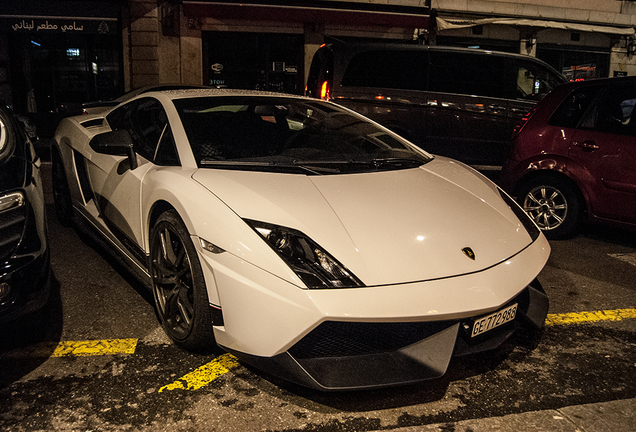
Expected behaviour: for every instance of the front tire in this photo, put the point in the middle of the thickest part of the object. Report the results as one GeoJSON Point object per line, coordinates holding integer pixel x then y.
{"type": "Point", "coordinates": [554, 205]}
{"type": "Point", "coordinates": [178, 286]}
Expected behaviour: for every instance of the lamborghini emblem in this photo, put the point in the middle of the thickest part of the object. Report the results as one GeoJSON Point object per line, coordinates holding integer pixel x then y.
{"type": "Point", "coordinates": [469, 253]}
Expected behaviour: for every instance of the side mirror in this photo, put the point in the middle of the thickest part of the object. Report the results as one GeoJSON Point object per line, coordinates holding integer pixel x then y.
{"type": "Point", "coordinates": [117, 143]}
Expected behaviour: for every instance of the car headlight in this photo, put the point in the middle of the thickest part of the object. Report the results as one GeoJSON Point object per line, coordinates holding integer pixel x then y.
{"type": "Point", "coordinates": [523, 217]}
{"type": "Point", "coordinates": [313, 265]}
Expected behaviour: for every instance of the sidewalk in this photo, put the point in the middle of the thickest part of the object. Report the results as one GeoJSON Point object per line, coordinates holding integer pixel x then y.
{"type": "Point", "coordinates": [615, 416]}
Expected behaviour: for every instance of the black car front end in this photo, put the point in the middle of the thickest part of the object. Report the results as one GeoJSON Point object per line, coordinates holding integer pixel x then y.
{"type": "Point", "coordinates": [24, 249]}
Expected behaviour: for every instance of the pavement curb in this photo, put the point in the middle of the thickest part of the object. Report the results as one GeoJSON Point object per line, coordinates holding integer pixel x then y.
{"type": "Point", "coordinates": [615, 416]}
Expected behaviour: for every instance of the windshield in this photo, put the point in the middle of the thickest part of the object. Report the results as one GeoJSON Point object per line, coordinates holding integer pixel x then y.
{"type": "Point", "coordinates": [289, 135]}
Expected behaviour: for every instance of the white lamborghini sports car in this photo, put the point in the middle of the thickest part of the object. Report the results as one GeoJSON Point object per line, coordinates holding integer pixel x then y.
{"type": "Point", "coordinates": [300, 236]}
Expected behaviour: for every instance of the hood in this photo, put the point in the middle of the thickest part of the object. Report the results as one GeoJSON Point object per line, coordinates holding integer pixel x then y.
{"type": "Point", "coordinates": [386, 227]}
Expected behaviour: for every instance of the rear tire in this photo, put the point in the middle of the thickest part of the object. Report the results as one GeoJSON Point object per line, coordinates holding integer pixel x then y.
{"type": "Point", "coordinates": [178, 286]}
{"type": "Point", "coordinates": [554, 205]}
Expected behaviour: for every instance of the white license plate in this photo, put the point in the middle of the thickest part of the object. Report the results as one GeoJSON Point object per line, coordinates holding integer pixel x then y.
{"type": "Point", "coordinates": [489, 322]}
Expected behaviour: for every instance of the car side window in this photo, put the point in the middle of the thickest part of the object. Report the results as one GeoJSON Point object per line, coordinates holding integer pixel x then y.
{"type": "Point", "coordinates": [571, 111]}
{"type": "Point", "coordinates": [614, 112]}
{"type": "Point", "coordinates": [398, 69]}
{"type": "Point", "coordinates": [119, 118]}
{"type": "Point", "coordinates": [145, 120]}
{"type": "Point", "coordinates": [534, 81]}
{"type": "Point", "coordinates": [466, 73]}
{"type": "Point", "coordinates": [166, 154]}
{"type": "Point", "coordinates": [629, 108]}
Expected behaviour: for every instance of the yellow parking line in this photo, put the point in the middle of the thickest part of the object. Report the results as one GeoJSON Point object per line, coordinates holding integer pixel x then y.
{"type": "Point", "coordinates": [95, 347]}
{"type": "Point", "coordinates": [205, 374]}
{"type": "Point", "coordinates": [584, 317]}
{"type": "Point", "coordinates": [226, 362]}
{"type": "Point", "coordinates": [77, 348]}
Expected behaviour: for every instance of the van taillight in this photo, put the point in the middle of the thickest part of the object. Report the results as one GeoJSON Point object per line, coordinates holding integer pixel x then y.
{"type": "Point", "coordinates": [522, 122]}
{"type": "Point", "coordinates": [325, 91]}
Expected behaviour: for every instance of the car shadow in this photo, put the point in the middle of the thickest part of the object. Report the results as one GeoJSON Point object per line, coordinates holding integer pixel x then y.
{"type": "Point", "coordinates": [594, 250]}
{"type": "Point", "coordinates": [610, 234]}
{"type": "Point", "coordinates": [92, 239]}
{"type": "Point", "coordinates": [29, 342]}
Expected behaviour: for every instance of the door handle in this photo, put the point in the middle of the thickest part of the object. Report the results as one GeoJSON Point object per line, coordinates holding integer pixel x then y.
{"type": "Point", "coordinates": [586, 145]}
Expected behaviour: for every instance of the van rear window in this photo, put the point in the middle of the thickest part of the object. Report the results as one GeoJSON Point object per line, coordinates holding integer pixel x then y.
{"type": "Point", "coordinates": [471, 74]}
{"type": "Point", "coordinates": [387, 69]}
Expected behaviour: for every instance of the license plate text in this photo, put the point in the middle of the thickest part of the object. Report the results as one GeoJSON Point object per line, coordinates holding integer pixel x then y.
{"type": "Point", "coordinates": [496, 319]}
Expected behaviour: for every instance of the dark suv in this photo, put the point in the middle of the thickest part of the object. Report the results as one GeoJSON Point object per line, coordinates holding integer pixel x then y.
{"type": "Point", "coordinates": [24, 250]}
{"type": "Point", "coordinates": [456, 102]}
{"type": "Point", "coordinates": [574, 157]}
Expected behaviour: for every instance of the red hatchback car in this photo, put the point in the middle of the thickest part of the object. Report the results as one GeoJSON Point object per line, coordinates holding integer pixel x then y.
{"type": "Point", "coordinates": [574, 157]}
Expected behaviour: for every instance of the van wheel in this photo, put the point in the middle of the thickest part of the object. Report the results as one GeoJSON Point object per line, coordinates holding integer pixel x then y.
{"type": "Point", "coordinates": [554, 205]}
{"type": "Point", "coordinates": [178, 286]}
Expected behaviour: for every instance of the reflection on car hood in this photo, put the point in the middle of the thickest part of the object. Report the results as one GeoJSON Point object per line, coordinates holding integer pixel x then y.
{"type": "Point", "coordinates": [387, 227]}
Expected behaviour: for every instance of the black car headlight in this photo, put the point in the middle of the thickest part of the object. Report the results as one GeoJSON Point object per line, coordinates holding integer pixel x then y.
{"type": "Point", "coordinates": [523, 217]}
{"type": "Point", "coordinates": [11, 201]}
{"type": "Point", "coordinates": [13, 218]}
{"type": "Point", "coordinates": [313, 265]}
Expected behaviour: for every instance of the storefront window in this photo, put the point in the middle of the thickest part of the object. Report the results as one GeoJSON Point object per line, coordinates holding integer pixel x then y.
{"type": "Point", "coordinates": [576, 65]}
{"type": "Point", "coordinates": [254, 61]}
{"type": "Point", "coordinates": [53, 74]}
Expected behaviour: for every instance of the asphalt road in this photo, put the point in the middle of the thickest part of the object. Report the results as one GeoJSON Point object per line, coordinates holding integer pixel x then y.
{"type": "Point", "coordinates": [103, 362]}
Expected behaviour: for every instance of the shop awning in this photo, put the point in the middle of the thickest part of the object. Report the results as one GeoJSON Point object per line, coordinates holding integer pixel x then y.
{"type": "Point", "coordinates": [450, 23]}
{"type": "Point", "coordinates": [327, 12]}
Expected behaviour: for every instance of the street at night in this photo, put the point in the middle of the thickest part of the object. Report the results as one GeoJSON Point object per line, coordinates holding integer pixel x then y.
{"type": "Point", "coordinates": [104, 362]}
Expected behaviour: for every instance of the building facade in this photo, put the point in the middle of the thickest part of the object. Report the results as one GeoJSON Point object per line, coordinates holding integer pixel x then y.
{"type": "Point", "coordinates": [257, 45]}
{"type": "Point", "coordinates": [583, 39]}
{"type": "Point", "coordinates": [269, 44]}
{"type": "Point", "coordinates": [56, 54]}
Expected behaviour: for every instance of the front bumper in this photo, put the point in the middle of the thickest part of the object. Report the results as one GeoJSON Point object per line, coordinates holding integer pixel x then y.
{"type": "Point", "coordinates": [27, 286]}
{"type": "Point", "coordinates": [24, 256]}
{"type": "Point", "coordinates": [352, 355]}
{"type": "Point", "coordinates": [336, 339]}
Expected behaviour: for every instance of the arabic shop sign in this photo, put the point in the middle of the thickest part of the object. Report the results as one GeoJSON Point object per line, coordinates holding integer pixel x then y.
{"type": "Point", "coordinates": [57, 25]}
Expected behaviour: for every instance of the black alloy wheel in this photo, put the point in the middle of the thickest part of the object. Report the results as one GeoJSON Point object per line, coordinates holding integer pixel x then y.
{"type": "Point", "coordinates": [178, 286]}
